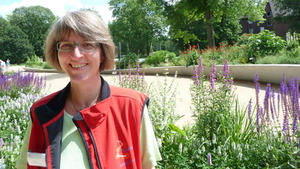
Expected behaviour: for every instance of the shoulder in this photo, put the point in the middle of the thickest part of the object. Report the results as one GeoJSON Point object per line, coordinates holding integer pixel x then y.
{"type": "Point", "coordinates": [126, 93]}
{"type": "Point", "coordinates": [44, 100]}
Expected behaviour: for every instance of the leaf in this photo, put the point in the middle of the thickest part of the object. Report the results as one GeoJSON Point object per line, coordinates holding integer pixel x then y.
{"type": "Point", "coordinates": [176, 129]}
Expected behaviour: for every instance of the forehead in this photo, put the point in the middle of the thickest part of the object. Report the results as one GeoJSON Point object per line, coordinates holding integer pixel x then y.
{"type": "Point", "coordinates": [72, 36]}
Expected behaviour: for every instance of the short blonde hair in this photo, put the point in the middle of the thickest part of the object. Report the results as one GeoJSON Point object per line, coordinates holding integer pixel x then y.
{"type": "Point", "coordinates": [86, 24]}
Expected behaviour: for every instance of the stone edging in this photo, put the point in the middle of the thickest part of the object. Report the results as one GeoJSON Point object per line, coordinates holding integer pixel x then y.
{"type": "Point", "coordinates": [272, 73]}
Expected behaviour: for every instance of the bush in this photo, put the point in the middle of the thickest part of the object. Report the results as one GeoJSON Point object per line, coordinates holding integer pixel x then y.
{"type": "Point", "coordinates": [159, 57]}
{"type": "Point", "coordinates": [36, 62]}
{"type": "Point", "coordinates": [262, 44]}
{"type": "Point", "coordinates": [129, 59]}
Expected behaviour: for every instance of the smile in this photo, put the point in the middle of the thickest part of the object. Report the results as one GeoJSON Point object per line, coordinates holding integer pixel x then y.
{"type": "Point", "coordinates": [78, 65]}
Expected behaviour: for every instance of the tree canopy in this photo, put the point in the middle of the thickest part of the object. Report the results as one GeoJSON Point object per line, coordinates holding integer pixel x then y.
{"type": "Point", "coordinates": [34, 21]}
{"type": "Point", "coordinates": [14, 43]}
{"type": "Point", "coordinates": [212, 12]}
{"type": "Point", "coordinates": [136, 24]}
{"type": "Point", "coordinates": [289, 12]}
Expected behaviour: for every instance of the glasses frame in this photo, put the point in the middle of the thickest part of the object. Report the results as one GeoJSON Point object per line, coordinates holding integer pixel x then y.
{"type": "Point", "coordinates": [78, 45]}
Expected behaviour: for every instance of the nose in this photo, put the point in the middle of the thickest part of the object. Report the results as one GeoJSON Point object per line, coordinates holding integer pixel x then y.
{"type": "Point", "coordinates": [76, 52]}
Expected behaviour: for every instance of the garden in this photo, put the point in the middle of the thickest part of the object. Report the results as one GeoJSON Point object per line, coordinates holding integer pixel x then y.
{"type": "Point", "coordinates": [263, 134]}
{"type": "Point", "coordinates": [225, 134]}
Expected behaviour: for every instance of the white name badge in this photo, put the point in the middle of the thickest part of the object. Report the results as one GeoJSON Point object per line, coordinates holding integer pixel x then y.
{"type": "Point", "coordinates": [36, 159]}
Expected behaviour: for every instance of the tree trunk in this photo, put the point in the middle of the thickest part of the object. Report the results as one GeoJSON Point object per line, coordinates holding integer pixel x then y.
{"type": "Point", "coordinates": [210, 29]}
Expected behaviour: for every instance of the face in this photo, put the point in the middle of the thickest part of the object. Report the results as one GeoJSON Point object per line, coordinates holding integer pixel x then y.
{"type": "Point", "coordinates": [78, 64]}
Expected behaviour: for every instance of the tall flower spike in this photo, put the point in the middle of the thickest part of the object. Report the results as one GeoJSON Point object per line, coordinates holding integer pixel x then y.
{"type": "Point", "coordinates": [200, 66]}
{"type": "Point", "coordinates": [296, 105]}
{"type": "Point", "coordinates": [249, 111]}
{"type": "Point", "coordinates": [213, 78]}
{"type": "Point", "coordinates": [196, 79]}
{"type": "Point", "coordinates": [257, 88]}
{"type": "Point", "coordinates": [266, 101]}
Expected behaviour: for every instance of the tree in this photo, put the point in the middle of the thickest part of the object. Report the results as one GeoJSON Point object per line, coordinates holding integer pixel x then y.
{"type": "Point", "coordinates": [211, 12]}
{"type": "Point", "coordinates": [136, 24]}
{"type": "Point", "coordinates": [289, 12]}
{"type": "Point", "coordinates": [34, 21]}
{"type": "Point", "coordinates": [14, 43]}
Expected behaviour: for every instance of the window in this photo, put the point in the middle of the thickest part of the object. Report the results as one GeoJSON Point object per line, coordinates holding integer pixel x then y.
{"type": "Point", "coordinates": [250, 22]}
{"type": "Point", "coordinates": [250, 30]}
{"type": "Point", "coordinates": [262, 29]}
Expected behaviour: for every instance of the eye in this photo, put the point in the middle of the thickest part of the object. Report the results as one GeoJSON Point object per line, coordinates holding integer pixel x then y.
{"type": "Point", "coordinates": [66, 45]}
{"type": "Point", "coordinates": [88, 45]}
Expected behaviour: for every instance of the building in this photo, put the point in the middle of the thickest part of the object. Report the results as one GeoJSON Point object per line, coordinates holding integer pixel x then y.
{"type": "Point", "coordinates": [280, 29]}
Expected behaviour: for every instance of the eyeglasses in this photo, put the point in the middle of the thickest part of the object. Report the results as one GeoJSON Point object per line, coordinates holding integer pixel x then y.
{"type": "Point", "coordinates": [86, 46]}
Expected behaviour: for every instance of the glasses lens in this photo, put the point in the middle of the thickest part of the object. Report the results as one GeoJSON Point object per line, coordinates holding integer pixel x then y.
{"type": "Point", "coordinates": [83, 46]}
{"type": "Point", "coordinates": [88, 46]}
{"type": "Point", "coordinates": [65, 46]}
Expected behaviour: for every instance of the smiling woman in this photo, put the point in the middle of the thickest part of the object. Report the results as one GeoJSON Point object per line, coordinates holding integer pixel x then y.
{"type": "Point", "coordinates": [88, 124]}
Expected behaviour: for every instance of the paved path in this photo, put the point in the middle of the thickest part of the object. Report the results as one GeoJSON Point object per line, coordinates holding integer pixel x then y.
{"type": "Point", "coordinates": [244, 91]}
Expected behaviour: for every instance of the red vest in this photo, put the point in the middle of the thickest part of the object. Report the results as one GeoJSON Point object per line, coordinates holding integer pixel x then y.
{"type": "Point", "coordinates": [110, 129]}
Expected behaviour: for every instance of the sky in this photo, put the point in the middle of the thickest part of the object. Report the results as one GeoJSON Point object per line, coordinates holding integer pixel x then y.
{"type": "Point", "coordinates": [59, 7]}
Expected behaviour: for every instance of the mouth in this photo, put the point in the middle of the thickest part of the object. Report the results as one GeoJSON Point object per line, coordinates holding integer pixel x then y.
{"type": "Point", "coordinates": [78, 66]}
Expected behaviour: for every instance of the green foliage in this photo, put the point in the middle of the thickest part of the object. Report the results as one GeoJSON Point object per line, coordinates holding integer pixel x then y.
{"type": "Point", "coordinates": [293, 41]}
{"type": "Point", "coordinates": [210, 12]}
{"type": "Point", "coordinates": [14, 44]}
{"type": "Point", "coordinates": [262, 44]}
{"type": "Point", "coordinates": [283, 57]}
{"type": "Point", "coordinates": [159, 57]}
{"type": "Point", "coordinates": [34, 21]}
{"type": "Point", "coordinates": [136, 24]}
{"type": "Point", "coordinates": [37, 62]}
{"type": "Point", "coordinates": [130, 59]}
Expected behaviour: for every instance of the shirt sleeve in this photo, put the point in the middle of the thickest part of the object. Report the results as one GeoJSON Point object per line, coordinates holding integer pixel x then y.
{"type": "Point", "coordinates": [22, 160]}
{"type": "Point", "coordinates": [149, 148]}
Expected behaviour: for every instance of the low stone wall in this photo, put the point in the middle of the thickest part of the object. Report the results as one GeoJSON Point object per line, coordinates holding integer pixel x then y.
{"type": "Point", "coordinates": [267, 72]}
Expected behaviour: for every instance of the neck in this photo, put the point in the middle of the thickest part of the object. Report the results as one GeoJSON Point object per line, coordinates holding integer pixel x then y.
{"type": "Point", "coordinates": [83, 95]}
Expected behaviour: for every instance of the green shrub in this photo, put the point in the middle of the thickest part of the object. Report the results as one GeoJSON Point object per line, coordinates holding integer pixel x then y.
{"type": "Point", "coordinates": [129, 59]}
{"type": "Point", "coordinates": [284, 57]}
{"type": "Point", "coordinates": [262, 44]}
{"type": "Point", "coordinates": [159, 57]}
{"type": "Point", "coordinates": [37, 62]}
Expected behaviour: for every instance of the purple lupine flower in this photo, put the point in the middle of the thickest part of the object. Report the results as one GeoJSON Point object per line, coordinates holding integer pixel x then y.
{"type": "Point", "coordinates": [200, 66]}
{"type": "Point", "coordinates": [273, 108]}
{"type": "Point", "coordinates": [266, 101]}
{"type": "Point", "coordinates": [257, 88]}
{"type": "Point", "coordinates": [250, 110]}
{"type": "Point", "coordinates": [285, 127]}
{"type": "Point", "coordinates": [196, 79]}
{"type": "Point", "coordinates": [226, 74]}
{"type": "Point", "coordinates": [257, 122]}
{"type": "Point", "coordinates": [209, 159]}
{"type": "Point", "coordinates": [296, 105]}
{"type": "Point", "coordinates": [213, 78]}
{"type": "Point", "coordinates": [226, 70]}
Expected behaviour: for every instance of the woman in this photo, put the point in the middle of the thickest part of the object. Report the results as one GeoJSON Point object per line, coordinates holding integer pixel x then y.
{"type": "Point", "coordinates": [88, 124]}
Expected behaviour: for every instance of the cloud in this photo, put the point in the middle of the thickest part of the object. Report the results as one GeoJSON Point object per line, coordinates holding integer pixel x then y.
{"type": "Point", "coordinates": [58, 7]}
